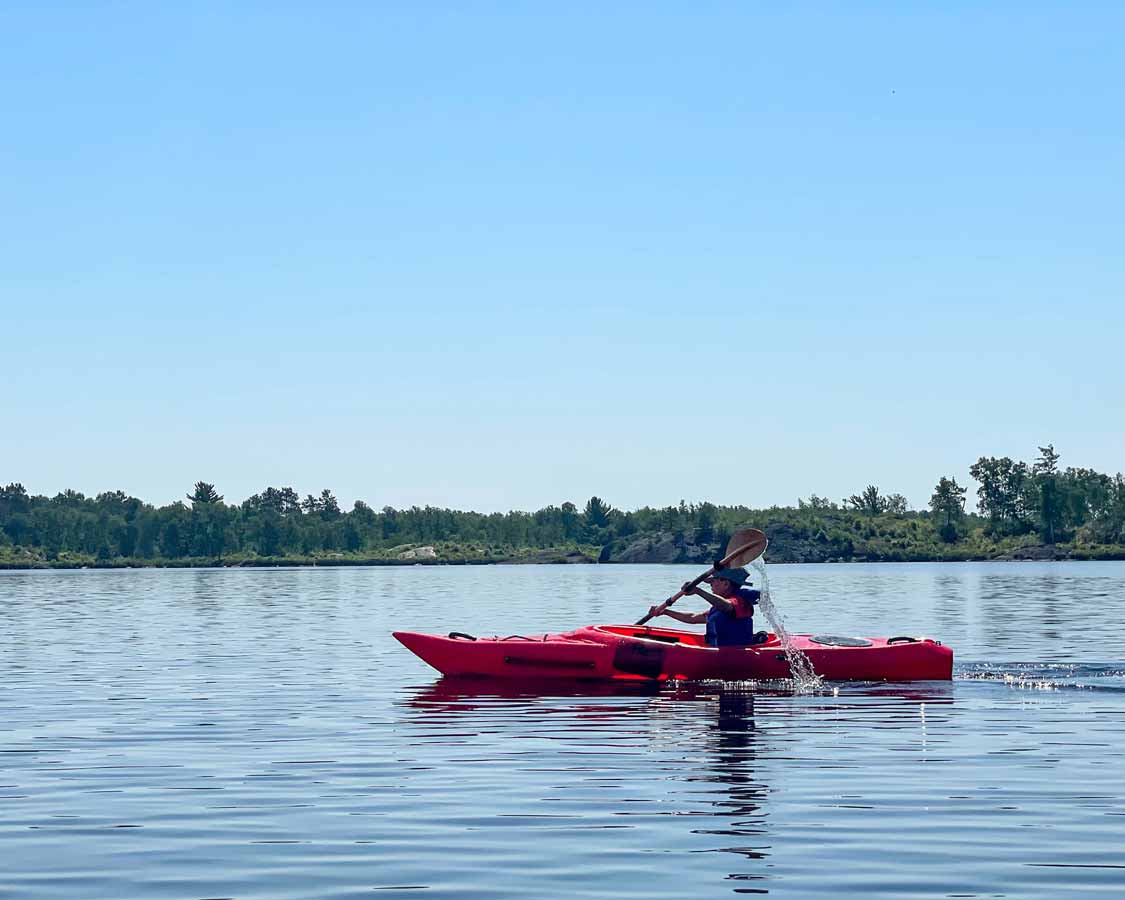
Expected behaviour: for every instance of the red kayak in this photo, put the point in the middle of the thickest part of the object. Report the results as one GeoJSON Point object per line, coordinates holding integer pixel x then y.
{"type": "Point", "coordinates": [633, 652]}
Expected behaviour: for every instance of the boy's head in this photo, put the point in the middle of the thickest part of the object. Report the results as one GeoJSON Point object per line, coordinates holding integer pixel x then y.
{"type": "Point", "coordinates": [726, 582]}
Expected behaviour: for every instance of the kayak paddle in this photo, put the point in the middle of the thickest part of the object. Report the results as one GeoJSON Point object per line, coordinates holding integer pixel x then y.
{"type": "Point", "coordinates": [744, 547]}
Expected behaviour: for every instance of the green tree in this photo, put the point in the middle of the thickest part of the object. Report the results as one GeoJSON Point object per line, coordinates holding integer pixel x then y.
{"type": "Point", "coordinates": [896, 504]}
{"type": "Point", "coordinates": [207, 534]}
{"type": "Point", "coordinates": [816, 503]}
{"type": "Point", "coordinates": [1109, 526]}
{"type": "Point", "coordinates": [70, 499]}
{"type": "Point", "coordinates": [173, 532]}
{"type": "Point", "coordinates": [18, 528]}
{"type": "Point", "coordinates": [869, 502]}
{"type": "Point", "coordinates": [128, 538]}
{"type": "Point", "coordinates": [706, 516]}
{"type": "Point", "coordinates": [948, 507]}
{"type": "Point", "coordinates": [596, 513]}
{"type": "Point", "coordinates": [990, 472]}
{"type": "Point", "coordinates": [283, 501]}
{"type": "Point", "coordinates": [327, 506]}
{"type": "Point", "coordinates": [1089, 495]}
{"type": "Point", "coordinates": [204, 493]}
{"type": "Point", "coordinates": [1052, 503]}
{"type": "Point", "coordinates": [14, 500]}
{"type": "Point", "coordinates": [596, 522]}
{"type": "Point", "coordinates": [722, 537]}
{"type": "Point", "coordinates": [571, 523]}
{"type": "Point", "coordinates": [352, 538]}
{"type": "Point", "coordinates": [54, 533]}
{"type": "Point", "coordinates": [269, 533]}
{"type": "Point", "coordinates": [1006, 493]}
{"type": "Point", "coordinates": [390, 524]}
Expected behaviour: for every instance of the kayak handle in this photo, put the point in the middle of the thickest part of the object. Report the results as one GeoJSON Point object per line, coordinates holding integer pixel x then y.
{"type": "Point", "coordinates": [902, 639]}
{"type": "Point", "coordinates": [460, 635]}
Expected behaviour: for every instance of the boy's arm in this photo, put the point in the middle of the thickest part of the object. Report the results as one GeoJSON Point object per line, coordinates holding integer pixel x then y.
{"type": "Point", "coordinates": [686, 618]}
{"type": "Point", "coordinates": [716, 601]}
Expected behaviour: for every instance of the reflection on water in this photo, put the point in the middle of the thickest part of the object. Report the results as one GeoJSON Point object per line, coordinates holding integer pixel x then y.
{"type": "Point", "coordinates": [257, 734]}
{"type": "Point", "coordinates": [713, 758]}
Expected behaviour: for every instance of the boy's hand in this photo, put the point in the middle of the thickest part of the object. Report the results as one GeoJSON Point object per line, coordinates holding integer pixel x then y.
{"type": "Point", "coordinates": [655, 611]}
{"type": "Point", "coordinates": [688, 589]}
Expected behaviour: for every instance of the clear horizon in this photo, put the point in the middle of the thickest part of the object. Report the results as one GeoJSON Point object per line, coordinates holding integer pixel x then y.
{"type": "Point", "coordinates": [496, 259]}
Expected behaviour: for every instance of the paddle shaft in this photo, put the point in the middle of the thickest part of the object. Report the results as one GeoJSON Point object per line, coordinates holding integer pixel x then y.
{"type": "Point", "coordinates": [695, 582]}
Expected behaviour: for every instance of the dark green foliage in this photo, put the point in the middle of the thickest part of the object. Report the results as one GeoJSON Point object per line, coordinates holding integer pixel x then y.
{"type": "Point", "coordinates": [896, 504]}
{"type": "Point", "coordinates": [328, 507]}
{"type": "Point", "coordinates": [815, 502]}
{"type": "Point", "coordinates": [282, 501]}
{"type": "Point", "coordinates": [870, 502]}
{"type": "Point", "coordinates": [595, 522]}
{"type": "Point", "coordinates": [1005, 494]}
{"type": "Point", "coordinates": [14, 500]}
{"type": "Point", "coordinates": [1051, 498]}
{"type": "Point", "coordinates": [203, 493]}
{"type": "Point", "coordinates": [1107, 521]}
{"type": "Point", "coordinates": [705, 519]}
{"type": "Point", "coordinates": [1021, 506]}
{"type": "Point", "coordinates": [948, 507]}
{"type": "Point", "coordinates": [1057, 506]}
{"type": "Point", "coordinates": [596, 513]}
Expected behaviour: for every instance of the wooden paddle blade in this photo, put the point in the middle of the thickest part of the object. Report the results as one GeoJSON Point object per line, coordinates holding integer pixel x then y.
{"type": "Point", "coordinates": [744, 547]}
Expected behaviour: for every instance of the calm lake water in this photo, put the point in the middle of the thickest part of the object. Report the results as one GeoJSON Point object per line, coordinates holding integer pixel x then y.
{"type": "Point", "coordinates": [258, 734]}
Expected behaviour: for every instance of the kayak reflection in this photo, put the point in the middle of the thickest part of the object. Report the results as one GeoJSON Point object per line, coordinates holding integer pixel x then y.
{"type": "Point", "coordinates": [457, 691]}
{"type": "Point", "coordinates": [733, 768]}
{"type": "Point", "coordinates": [459, 694]}
{"type": "Point", "coordinates": [698, 740]}
{"type": "Point", "coordinates": [685, 767]}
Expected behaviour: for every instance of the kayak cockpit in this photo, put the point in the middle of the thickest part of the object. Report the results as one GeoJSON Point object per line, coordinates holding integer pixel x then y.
{"type": "Point", "coordinates": [659, 635]}
{"type": "Point", "coordinates": [644, 633]}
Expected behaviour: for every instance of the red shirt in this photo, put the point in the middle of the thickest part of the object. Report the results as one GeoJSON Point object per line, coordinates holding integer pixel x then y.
{"type": "Point", "coordinates": [743, 604]}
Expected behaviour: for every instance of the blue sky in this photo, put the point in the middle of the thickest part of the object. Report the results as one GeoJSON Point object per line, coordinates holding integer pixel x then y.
{"type": "Point", "coordinates": [499, 256]}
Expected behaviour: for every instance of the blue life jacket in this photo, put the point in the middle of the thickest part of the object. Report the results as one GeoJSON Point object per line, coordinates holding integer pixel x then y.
{"type": "Point", "coordinates": [725, 630]}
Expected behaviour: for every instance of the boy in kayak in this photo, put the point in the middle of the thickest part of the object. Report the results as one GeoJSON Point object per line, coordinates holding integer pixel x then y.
{"type": "Point", "coordinates": [730, 621]}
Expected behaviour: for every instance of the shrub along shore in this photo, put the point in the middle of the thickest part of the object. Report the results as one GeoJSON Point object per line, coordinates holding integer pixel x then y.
{"type": "Point", "coordinates": [1023, 511]}
{"type": "Point", "coordinates": [559, 555]}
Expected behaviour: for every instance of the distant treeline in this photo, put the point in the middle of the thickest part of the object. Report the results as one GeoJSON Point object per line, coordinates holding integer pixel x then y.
{"type": "Point", "coordinates": [1017, 504]}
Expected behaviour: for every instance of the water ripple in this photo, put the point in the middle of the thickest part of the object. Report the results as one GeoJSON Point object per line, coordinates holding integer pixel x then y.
{"type": "Point", "coordinates": [256, 734]}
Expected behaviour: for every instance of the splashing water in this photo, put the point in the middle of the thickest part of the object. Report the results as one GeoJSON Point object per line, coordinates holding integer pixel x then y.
{"type": "Point", "coordinates": [805, 679]}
